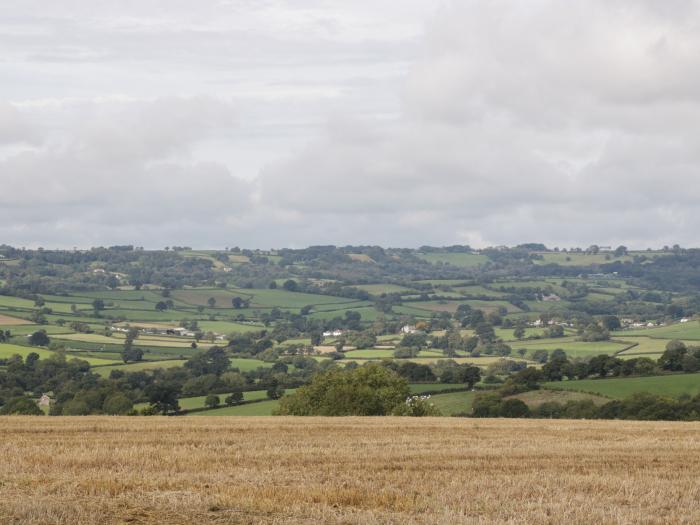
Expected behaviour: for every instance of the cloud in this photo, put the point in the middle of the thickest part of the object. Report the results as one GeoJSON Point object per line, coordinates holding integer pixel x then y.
{"type": "Point", "coordinates": [123, 170]}
{"type": "Point", "coordinates": [568, 122]}
{"type": "Point", "coordinates": [14, 128]}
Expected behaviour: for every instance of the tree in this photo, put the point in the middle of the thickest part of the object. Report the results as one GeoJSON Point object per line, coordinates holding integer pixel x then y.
{"type": "Point", "coordinates": [211, 302]}
{"type": "Point", "coordinates": [20, 406]}
{"type": "Point", "coordinates": [211, 361]}
{"type": "Point", "coordinates": [98, 305]}
{"type": "Point", "coordinates": [611, 322]}
{"type": "Point", "coordinates": [515, 408]}
{"type": "Point", "coordinates": [161, 306]}
{"type": "Point", "coordinates": [519, 332]}
{"type": "Point", "coordinates": [237, 302]}
{"type": "Point", "coordinates": [131, 353]}
{"type": "Point", "coordinates": [274, 391]}
{"type": "Point", "coordinates": [369, 390]}
{"type": "Point", "coordinates": [39, 338]}
{"type": "Point", "coordinates": [485, 333]}
{"type": "Point", "coordinates": [163, 397]}
{"type": "Point", "coordinates": [117, 405]}
{"type": "Point", "coordinates": [212, 401]}
{"type": "Point", "coordinates": [290, 285]}
{"type": "Point", "coordinates": [235, 398]}
{"type": "Point", "coordinates": [672, 358]}
{"type": "Point", "coordinates": [620, 251]}
{"type": "Point", "coordinates": [555, 331]}
{"type": "Point", "coordinates": [540, 356]}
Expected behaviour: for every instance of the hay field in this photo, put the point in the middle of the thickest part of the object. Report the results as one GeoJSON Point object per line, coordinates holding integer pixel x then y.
{"type": "Point", "coordinates": [6, 320]}
{"type": "Point", "coordinates": [346, 470]}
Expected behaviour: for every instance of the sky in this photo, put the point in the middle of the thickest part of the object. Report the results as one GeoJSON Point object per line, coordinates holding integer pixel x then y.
{"type": "Point", "coordinates": [271, 123]}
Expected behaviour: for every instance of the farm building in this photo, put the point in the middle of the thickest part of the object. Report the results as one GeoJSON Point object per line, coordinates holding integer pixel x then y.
{"type": "Point", "coordinates": [44, 400]}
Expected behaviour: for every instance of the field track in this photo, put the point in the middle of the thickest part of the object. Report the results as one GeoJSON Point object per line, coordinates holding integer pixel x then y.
{"type": "Point", "coordinates": [346, 470]}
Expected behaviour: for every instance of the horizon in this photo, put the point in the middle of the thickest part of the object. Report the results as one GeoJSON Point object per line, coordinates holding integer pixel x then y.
{"type": "Point", "coordinates": [175, 248]}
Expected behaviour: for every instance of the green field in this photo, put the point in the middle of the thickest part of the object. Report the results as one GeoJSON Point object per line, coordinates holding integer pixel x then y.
{"type": "Point", "coordinates": [8, 350]}
{"type": "Point", "coordinates": [104, 371]}
{"type": "Point", "coordinates": [378, 289]}
{"type": "Point", "coordinates": [419, 388]}
{"type": "Point", "coordinates": [228, 327]}
{"type": "Point", "coordinates": [669, 385]}
{"type": "Point", "coordinates": [645, 345]}
{"type": "Point", "coordinates": [572, 347]}
{"type": "Point", "coordinates": [454, 402]}
{"type": "Point", "coordinates": [118, 338]}
{"type": "Point", "coordinates": [192, 403]}
{"type": "Point", "coordinates": [262, 408]}
{"type": "Point", "coordinates": [369, 354]}
{"type": "Point", "coordinates": [462, 260]}
{"type": "Point", "coordinates": [690, 330]}
{"type": "Point", "coordinates": [579, 259]}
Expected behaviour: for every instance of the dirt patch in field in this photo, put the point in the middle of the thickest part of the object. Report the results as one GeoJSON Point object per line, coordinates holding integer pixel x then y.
{"type": "Point", "coordinates": [535, 398]}
{"type": "Point", "coordinates": [6, 320]}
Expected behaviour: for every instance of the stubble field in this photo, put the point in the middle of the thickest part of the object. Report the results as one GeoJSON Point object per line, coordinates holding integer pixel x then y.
{"type": "Point", "coordinates": [346, 470]}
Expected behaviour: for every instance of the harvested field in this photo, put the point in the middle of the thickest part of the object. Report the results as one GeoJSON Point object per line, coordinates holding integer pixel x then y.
{"type": "Point", "coordinates": [347, 470]}
{"type": "Point", "coordinates": [6, 320]}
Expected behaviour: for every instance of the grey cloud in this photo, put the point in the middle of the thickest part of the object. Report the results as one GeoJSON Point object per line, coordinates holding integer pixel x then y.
{"type": "Point", "coordinates": [568, 122]}
{"type": "Point", "coordinates": [15, 127]}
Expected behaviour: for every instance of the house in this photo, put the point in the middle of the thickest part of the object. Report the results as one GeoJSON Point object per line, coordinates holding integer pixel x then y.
{"type": "Point", "coordinates": [44, 400]}
{"type": "Point", "coordinates": [408, 329]}
{"type": "Point", "coordinates": [685, 320]}
{"type": "Point", "coordinates": [551, 298]}
{"type": "Point", "coordinates": [333, 333]}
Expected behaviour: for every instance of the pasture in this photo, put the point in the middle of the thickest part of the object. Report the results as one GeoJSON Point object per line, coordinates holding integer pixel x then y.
{"type": "Point", "coordinates": [8, 350]}
{"type": "Point", "coordinates": [87, 470]}
{"type": "Point", "coordinates": [262, 408]}
{"type": "Point", "coordinates": [619, 388]}
{"type": "Point", "coordinates": [690, 330]}
{"type": "Point", "coordinates": [104, 371]}
{"type": "Point", "coordinates": [453, 402]}
{"type": "Point", "coordinates": [462, 260]}
{"type": "Point", "coordinates": [571, 346]}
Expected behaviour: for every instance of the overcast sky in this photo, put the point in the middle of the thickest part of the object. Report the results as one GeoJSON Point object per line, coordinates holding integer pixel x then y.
{"type": "Point", "coordinates": [271, 123]}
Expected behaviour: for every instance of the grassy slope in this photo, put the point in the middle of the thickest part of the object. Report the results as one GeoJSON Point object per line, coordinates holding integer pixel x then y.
{"type": "Point", "coordinates": [670, 385]}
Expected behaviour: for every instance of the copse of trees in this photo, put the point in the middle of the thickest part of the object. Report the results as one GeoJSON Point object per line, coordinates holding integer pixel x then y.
{"type": "Point", "coordinates": [369, 390]}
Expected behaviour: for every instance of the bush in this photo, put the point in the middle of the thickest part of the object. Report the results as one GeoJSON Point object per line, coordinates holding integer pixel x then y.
{"type": "Point", "coordinates": [416, 406]}
{"type": "Point", "coordinates": [515, 408]}
{"type": "Point", "coordinates": [21, 406]}
{"type": "Point", "coordinates": [212, 401]}
{"type": "Point", "coordinates": [117, 404]}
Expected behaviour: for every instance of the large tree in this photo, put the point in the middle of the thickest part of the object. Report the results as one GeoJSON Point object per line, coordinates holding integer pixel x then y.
{"type": "Point", "coordinates": [370, 390]}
